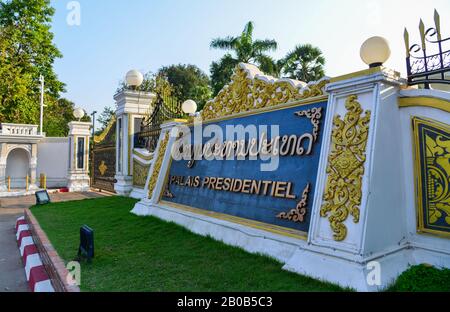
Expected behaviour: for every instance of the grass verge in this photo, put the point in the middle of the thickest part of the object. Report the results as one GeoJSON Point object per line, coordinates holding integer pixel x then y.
{"type": "Point", "coordinates": [147, 254]}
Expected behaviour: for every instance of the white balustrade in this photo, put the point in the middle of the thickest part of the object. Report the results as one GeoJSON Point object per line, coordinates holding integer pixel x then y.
{"type": "Point", "coordinates": [18, 129]}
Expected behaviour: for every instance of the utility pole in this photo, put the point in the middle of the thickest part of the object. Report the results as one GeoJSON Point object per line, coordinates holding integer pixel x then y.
{"type": "Point", "coordinates": [92, 149]}
{"type": "Point", "coordinates": [41, 79]}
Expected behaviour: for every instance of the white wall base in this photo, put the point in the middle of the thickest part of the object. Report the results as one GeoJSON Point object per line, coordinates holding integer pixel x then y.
{"type": "Point", "coordinates": [252, 240]}
{"type": "Point", "coordinates": [138, 193]}
{"type": "Point", "coordinates": [54, 183]}
{"type": "Point", "coordinates": [348, 273]}
{"type": "Point", "coordinates": [124, 185]}
{"type": "Point", "coordinates": [19, 193]}
{"type": "Point", "coordinates": [340, 268]}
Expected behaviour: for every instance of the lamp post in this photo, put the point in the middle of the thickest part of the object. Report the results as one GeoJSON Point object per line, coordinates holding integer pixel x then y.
{"type": "Point", "coordinates": [93, 146]}
{"type": "Point", "coordinates": [134, 79]}
{"type": "Point", "coordinates": [41, 80]}
{"type": "Point", "coordinates": [189, 107]}
{"type": "Point", "coordinates": [375, 51]}
{"type": "Point", "coordinates": [93, 124]}
{"type": "Point", "coordinates": [78, 113]}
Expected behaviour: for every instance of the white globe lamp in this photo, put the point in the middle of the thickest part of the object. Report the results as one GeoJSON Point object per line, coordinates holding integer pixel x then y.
{"type": "Point", "coordinates": [189, 107]}
{"type": "Point", "coordinates": [375, 51]}
{"type": "Point", "coordinates": [134, 79]}
{"type": "Point", "coordinates": [78, 113]}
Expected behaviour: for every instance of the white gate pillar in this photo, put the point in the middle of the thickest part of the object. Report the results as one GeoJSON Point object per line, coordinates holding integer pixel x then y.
{"type": "Point", "coordinates": [78, 177]}
{"type": "Point", "coordinates": [132, 106]}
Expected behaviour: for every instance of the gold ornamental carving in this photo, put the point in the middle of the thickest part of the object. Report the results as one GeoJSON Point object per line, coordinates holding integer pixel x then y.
{"type": "Point", "coordinates": [100, 138]}
{"type": "Point", "coordinates": [159, 160]}
{"type": "Point", "coordinates": [299, 213]}
{"type": "Point", "coordinates": [102, 168]}
{"type": "Point", "coordinates": [315, 115]}
{"type": "Point", "coordinates": [345, 170]}
{"type": "Point", "coordinates": [140, 173]}
{"type": "Point", "coordinates": [251, 90]}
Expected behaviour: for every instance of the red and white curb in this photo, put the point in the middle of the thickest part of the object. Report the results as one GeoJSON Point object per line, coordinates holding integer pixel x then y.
{"type": "Point", "coordinates": [37, 277]}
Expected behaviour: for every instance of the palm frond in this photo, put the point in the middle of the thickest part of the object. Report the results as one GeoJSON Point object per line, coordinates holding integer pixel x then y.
{"type": "Point", "coordinates": [248, 30]}
{"type": "Point", "coordinates": [228, 43]}
{"type": "Point", "coordinates": [268, 65]}
{"type": "Point", "coordinates": [261, 46]}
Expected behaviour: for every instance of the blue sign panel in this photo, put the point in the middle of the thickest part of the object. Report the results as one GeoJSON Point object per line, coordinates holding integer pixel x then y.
{"type": "Point", "coordinates": [276, 191]}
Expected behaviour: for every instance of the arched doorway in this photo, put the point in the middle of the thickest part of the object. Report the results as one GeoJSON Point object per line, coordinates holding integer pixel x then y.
{"type": "Point", "coordinates": [18, 168]}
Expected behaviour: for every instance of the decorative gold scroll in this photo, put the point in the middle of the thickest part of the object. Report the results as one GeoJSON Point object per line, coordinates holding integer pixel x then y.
{"type": "Point", "coordinates": [299, 213]}
{"type": "Point", "coordinates": [343, 192]}
{"type": "Point", "coordinates": [157, 167]}
{"type": "Point", "coordinates": [315, 115]}
{"type": "Point", "coordinates": [251, 90]}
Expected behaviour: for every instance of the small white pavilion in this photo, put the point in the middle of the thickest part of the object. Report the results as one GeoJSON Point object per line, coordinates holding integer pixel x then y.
{"type": "Point", "coordinates": [26, 154]}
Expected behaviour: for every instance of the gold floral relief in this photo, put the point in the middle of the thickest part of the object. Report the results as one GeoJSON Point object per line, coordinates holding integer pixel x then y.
{"type": "Point", "coordinates": [299, 213]}
{"type": "Point", "coordinates": [246, 93]}
{"type": "Point", "coordinates": [158, 163]}
{"type": "Point", "coordinates": [345, 170]}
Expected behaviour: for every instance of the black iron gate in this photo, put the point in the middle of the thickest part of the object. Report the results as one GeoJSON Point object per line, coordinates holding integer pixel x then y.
{"type": "Point", "coordinates": [103, 159]}
{"type": "Point", "coordinates": [166, 108]}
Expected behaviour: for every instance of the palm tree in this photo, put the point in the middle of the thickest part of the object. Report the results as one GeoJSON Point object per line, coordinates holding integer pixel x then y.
{"type": "Point", "coordinates": [304, 63]}
{"type": "Point", "coordinates": [248, 50]}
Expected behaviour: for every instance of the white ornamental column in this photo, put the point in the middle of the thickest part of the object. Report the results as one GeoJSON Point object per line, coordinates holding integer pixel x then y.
{"type": "Point", "coordinates": [33, 167]}
{"type": "Point", "coordinates": [3, 157]}
{"type": "Point", "coordinates": [132, 106]}
{"type": "Point", "coordinates": [78, 177]}
{"type": "Point", "coordinates": [158, 172]}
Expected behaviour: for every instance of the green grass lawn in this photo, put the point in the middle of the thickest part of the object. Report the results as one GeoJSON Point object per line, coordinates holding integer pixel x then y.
{"type": "Point", "coordinates": [146, 254]}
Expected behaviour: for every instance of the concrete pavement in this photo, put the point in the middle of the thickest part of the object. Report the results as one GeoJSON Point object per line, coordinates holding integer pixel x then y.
{"type": "Point", "coordinates": [12, 273]}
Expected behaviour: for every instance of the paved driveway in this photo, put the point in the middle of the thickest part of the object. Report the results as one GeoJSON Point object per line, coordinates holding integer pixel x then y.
{"type": "Point", "coordinates": [12, 273]}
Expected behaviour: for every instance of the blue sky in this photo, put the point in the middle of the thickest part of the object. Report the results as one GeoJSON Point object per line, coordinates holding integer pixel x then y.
{"type": "Point", "coordinates": [118, 35]}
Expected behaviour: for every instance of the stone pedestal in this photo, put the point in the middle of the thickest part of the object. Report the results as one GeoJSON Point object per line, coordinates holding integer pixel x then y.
{"type": "Point", "coordinates": [132, 106]}
{"type": "Point", "coordinates": [78, 175]}
{"type": "Point", "coordinates": [78, 182]}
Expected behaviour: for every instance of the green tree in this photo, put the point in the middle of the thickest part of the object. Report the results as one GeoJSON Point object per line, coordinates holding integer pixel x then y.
{"type": "Point", "coordinates": [57, 115]}
{"type": "Point", "coordinates": [188, 82]}
{"type": "Point", "coordinates": [305, 63]}
{"type": "Point", "coordinates": [27, 51]}
{"type": "Point", "coordinates": [246, 50]}
{"type": "Point", "coordinates": [15, 85]}
{"type": "Point", "coordinates": [105, 117]}
{"type": "Point", "coordinates": [221, 72]}
{"type": "Point", "coordinates": [152, 83]}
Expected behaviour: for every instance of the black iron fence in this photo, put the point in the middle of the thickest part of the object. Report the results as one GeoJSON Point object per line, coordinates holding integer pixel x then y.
{"type": "Point", "coordinates": [428, 62]}
{"type": "Point", "coordinates": [166, 108]}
